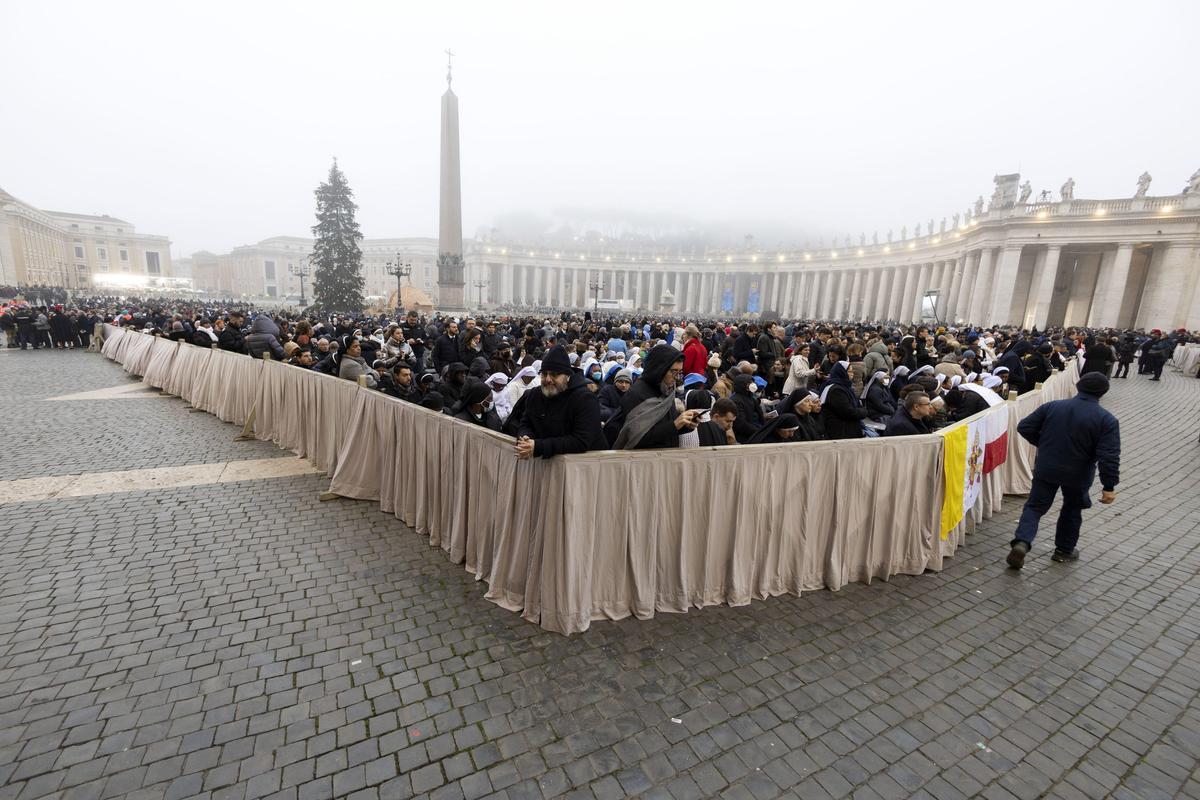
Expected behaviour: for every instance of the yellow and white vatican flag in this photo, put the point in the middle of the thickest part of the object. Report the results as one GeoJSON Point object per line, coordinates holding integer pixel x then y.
{"type": "Point", "coordinates": [971, 450]}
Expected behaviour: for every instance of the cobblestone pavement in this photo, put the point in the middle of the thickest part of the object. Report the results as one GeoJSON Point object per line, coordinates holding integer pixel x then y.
{"type": "Point", "coordinates": [246, 641]}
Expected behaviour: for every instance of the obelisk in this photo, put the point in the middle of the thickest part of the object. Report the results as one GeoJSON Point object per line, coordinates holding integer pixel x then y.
{"type": "Point", "coordinates": [450, 258]}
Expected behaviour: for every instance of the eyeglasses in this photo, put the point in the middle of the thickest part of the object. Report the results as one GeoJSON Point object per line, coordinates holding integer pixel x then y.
{"type": "Point", "coordinates": [676, 372]}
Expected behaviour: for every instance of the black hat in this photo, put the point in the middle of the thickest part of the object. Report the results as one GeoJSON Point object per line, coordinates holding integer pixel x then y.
{"type": "Point", "coordinates": [475, 393]}
{"type": "Point", "coordinates": [556, 361]}
{"type": "Point", "coordinates": [1093, 383]}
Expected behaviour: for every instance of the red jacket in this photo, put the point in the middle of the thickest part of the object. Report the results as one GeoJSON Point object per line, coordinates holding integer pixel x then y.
{"type": "Point", "coordinates": [695, 357]}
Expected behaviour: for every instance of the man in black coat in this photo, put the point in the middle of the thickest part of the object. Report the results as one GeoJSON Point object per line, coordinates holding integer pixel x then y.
{"type": "Point", "coordinates": [445, 348]}
{"type": "Point", "coordinates": [414, 335]}
{"type": "Point", "coordinates": [401, 384]}
{"type": "Point", "coordinates": [1072, 437]}
{"type": "Point", "coordinates": [909, 418]}
{"type": "Point", "coordinates": [560, 416]}
{"type": "Point", "coordinates": [232, 338]}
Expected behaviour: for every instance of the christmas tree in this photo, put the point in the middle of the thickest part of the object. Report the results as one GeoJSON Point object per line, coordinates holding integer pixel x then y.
{"type": "Point", "coordinates": [336, 256]}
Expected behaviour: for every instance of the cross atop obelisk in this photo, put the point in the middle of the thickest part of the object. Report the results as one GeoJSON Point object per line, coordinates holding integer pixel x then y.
{"type": "Point", "coordinates": [449, 67]}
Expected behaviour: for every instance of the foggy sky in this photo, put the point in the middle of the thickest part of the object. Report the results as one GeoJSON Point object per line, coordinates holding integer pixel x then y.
{"type": "Point", "coordinates": [212, 123]}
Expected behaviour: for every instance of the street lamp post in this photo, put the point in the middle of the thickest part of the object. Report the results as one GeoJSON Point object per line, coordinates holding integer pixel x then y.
{"type": "Point", "coordinates": [301, 272]}
{"type": "Point", "coordinates": [400, 270]}
{"type": "Point", "coordinates": [597, 286]}
{"type": "Point", "coordinates": [479, 284]}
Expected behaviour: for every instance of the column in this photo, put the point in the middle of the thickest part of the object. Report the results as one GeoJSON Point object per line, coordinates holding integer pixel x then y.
{"type": "Point", "coordinates": [855, 292]}
{"type": "Point", "coordinates": [1110, 290]}
{"type": "Point", "coordinates": [812, 302]}
{"type": "Point", "coordinates": [829, 293]}
{"type": "Point", "coordinates": [1004, 282]}
{"type": "Point", "coordinates": [1043, 290]}
{"type": "Point", "coordinates": [896, 294]}
{"type": "Point", "coordinates": [906, 279]}
{"type": "Point", "coordinates": [954, 284]}
{"type": "Point", "coordinates": [980, 290]}
{"type": "Point", "coordinates": [788, 294]}
{"type": "Point", "coordinates": [922, 284]}
{"type": "Point", "coordinates": [869, 287]}
{"type": "Point", "coordinates": [946, 289]}
{"type": "Point", "coordinates": [1166, 302]}
{"type": "Point", "coordinates": [970, 269]}
{"type": "Point", "coordinates": [879, 304]}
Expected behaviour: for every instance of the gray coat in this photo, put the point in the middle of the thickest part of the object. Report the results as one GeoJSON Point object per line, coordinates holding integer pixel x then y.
{"type": "Point", "coordinates": [876, 360]}
{"type": "Point", "coordinates": [351, 367]}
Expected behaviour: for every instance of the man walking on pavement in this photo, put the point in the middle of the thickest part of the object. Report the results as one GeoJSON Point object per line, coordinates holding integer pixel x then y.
{"type": "Point", "coordinates": [1072, 437]}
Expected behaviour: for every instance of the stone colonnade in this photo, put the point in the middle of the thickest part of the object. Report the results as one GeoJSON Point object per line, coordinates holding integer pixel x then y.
{"type": "Point", "coordinates": [1097, 285]}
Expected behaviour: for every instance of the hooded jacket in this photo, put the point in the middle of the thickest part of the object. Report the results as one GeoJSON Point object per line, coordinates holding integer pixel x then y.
{"type": "Point", "coordinates": [877, 359]}
{"type": "Point", "coordinates": [648, 387]}
{"type": "Point", "coordinates": [264, 338]}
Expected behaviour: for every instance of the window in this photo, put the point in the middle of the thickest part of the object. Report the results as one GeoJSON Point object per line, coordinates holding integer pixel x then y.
{"type": "Point", "coordinates": [124, 255]}
{"type": "Point", "coordinates": [74, 227]}
{"type": "Point", "coordinates": [102, 253]}
{"type": "Point", "coordinates": [78, 251]}
{"type": "Point", "coordinates": [120, 230]}
{"type": "Point", "coordinates": [152, 265]}
{"type": "Point", "coordinates": [99, 228]}
{"type": "Point", "coordinates": [270, 291]}
{"type": "Point", "coordinates": [269, 270]}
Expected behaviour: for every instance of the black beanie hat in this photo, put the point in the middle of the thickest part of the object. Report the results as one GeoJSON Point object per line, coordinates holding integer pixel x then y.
{"type": "Point", "coordinates": [556, 361]}
{"type": "Point", "coordinates": [1093, 383]}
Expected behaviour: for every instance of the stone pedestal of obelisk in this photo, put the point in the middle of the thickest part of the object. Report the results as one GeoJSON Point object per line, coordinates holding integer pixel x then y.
{"type": "Point", "coordinates": [451, 280]}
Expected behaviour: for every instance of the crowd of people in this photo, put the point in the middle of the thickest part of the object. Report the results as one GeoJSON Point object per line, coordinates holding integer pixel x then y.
{"type": "Point", "coordinates": [572, 382]}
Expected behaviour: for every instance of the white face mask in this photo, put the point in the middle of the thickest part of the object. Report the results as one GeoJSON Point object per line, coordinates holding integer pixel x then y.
{"type": "Point", "coordinates": [752, 388]}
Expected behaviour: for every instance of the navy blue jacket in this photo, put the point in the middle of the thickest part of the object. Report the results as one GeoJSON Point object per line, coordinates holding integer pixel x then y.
{"type": "Point", "coordinates": [1072, 436]}
{"type": "Point", "coordinates": [902, 424]}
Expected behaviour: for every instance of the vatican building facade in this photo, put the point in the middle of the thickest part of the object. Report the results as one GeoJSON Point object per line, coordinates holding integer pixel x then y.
{"type": "Point", "coordinates": [1131, 262]}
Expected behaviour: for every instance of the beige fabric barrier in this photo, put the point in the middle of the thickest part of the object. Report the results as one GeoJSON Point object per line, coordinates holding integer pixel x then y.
{"type": "Point", "coordinates": [113, 337]}
{"type": "Point", "coordinates": [232, 385]}
{"type": "Point", "coordinates": [136, 355]}
{"type": "Point", "coordinates": [158, 366]}
{"type": "Point", "coordinates": [305, 412]}
{"type": "Point", "coordinates": [609, 535]}
{"type": "Point", "coordinates": [729, 525]}
{"type": "Point", "coordinates": [1187, 359]}
{"type": "Point", "coordinates": [458, 484]}
{"type": "Point", "coordinates": [186, 369]}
